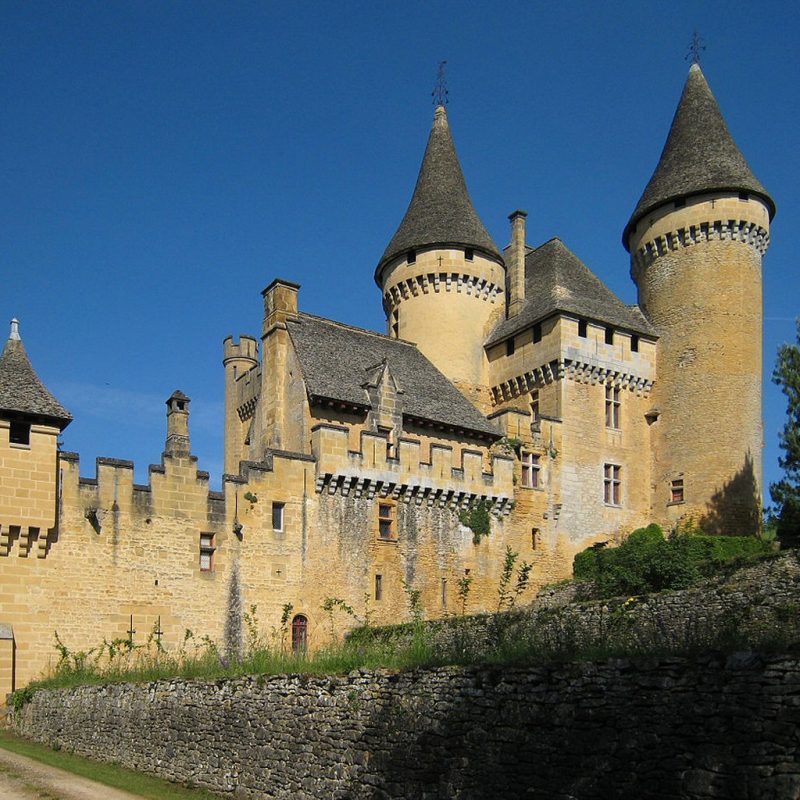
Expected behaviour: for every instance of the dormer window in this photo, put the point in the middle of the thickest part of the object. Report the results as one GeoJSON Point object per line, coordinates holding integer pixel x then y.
{"type": "Point", "coordinates": [411, 257]}
{"type": "Point", "coordinates": [469, 254]}
{"type": "Point", "coordinates": [20, 433]}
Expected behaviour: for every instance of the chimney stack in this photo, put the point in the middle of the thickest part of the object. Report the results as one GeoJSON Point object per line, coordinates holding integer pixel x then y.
{"type": "Point", "coordinates": [516, 263]}
{"type": "Point", "coordinates": [178, 425]}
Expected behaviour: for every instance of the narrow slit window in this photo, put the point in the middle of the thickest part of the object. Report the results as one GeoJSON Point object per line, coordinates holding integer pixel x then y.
{"type": "Point", "coordinates": [534, 538]}
{"type": "Point", "coordinates": [444, 592]}
{"type": "Point", "coordinates": [583, 328]}
{"type": "Point", "coordinates": [535, 405]}
{"type": "Point", "coordinates": [537, 332]}
{"type": "Point", "coordinates": [510, 347]}
{"type": "Point", "coordinates": [277, 517]}
{"type": "Point", "coordinates": [634, 343]}
{"type": "Point", "coordinates": [396, 323]}
{"type": "Point", "coordinates": [609, 335]}
{"type": "Point", "coordinates": [207, 552]}
{"type": "Point", "coordinates": [379, 587]}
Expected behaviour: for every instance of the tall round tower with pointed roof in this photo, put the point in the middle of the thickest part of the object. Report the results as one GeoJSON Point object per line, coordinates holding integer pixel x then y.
{"type": "Point", "coordinates": [696, 241]}
{"type": "Point", "coordinates": [442, 276]}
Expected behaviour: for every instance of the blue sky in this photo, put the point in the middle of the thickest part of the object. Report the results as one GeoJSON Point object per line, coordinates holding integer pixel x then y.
{"type": "Point", "coordinates": [162, 162]}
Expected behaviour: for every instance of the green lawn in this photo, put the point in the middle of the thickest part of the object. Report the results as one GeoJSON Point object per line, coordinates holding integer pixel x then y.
{"type": "Point", "coordinates": [109, 774]}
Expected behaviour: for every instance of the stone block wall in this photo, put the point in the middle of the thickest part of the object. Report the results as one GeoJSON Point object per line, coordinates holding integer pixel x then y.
{"type": "Point", "coordinates": [671, 728]}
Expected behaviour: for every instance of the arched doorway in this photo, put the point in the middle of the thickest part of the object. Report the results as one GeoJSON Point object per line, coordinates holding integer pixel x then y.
{"type": "Point", "coordinates": [299, 634]}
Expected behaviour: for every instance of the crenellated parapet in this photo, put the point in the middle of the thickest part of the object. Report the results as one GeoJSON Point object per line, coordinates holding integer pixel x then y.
{"type": "Point", "coordinates": [442, 481]}
{"type": "Point", "coordinates": [441, 282]}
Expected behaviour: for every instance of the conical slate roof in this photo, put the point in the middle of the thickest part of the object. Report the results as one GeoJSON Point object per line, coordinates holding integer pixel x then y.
{"type": "Point", "coordinates": [557, 281]}
{"type": "Point", "coordinates": [699, 156]}
{"type": "Point", "coordinates": [21, 391]}
{"type": "Point", "coordinates": [440, 212]}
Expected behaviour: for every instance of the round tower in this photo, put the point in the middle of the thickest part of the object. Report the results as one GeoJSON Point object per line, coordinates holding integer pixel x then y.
{"type": "Point", "coordinates": [239, 358]}
{"type": "Point", "coordinates": [442, 276]}
{"type": "Point", "coordinates": [696, 241]}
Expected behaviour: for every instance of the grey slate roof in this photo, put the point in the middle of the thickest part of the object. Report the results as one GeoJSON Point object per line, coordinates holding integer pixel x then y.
{"type": "Point", "coordinates": [440, 212]}
{"type": "Point", "coordinates": [22, 392]}
{"type": "Point", "coordinates": [700, 155]}
{"type": "Point", "coordinates": [338, 360]}
{"type": "Point", "coordinates": [556, 280]}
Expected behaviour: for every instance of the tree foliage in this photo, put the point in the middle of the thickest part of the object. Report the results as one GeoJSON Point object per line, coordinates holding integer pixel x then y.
{"type": "Point", "coordinates": [786, 492]}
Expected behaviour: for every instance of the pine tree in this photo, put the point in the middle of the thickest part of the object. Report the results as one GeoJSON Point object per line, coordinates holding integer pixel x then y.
{"type": "Point", "coordinates": [786, 492]}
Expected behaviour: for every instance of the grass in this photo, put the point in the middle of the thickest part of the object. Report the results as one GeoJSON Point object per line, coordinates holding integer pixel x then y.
{"type": "Point", "coordinates": [108, 774]}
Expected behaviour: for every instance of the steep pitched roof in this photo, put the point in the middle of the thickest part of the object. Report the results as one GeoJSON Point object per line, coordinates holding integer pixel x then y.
{"type": "Point", "coordinates": [440, 212]}
{"type": "Point", "coordinates": [337, 362]}
{"type": "Point", "coordinates": [699, 156]}
{"type": "Point", "coordinates": [556, 280]}
{"type": "Point", "coordinates": [21, 391]}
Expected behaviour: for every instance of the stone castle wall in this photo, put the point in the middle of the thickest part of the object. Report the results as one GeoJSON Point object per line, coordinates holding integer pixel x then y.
{"type": "Point", "coordinates": [673, 728]}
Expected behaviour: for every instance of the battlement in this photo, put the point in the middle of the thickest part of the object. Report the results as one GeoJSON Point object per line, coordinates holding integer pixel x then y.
{"type": "Point", "coordinates": [245, 348]}
{"type": "Point", "coordinates": [373, 471]}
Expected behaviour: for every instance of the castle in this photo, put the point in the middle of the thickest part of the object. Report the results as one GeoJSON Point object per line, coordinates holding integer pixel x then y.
{"type": "Point", "coordinates": [513, 382]}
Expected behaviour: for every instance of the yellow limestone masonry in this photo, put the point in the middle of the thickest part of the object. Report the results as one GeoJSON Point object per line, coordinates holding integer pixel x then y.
{"type": "Point", "coordinates": [518, 381]}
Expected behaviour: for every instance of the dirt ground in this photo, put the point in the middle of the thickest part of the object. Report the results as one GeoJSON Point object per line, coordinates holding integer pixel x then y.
{"type": "Point", "coordinates": [22, 778]}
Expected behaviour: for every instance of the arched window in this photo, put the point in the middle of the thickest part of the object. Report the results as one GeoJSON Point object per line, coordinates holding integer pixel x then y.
{"type": "Point", "coordinates": [299, 634]}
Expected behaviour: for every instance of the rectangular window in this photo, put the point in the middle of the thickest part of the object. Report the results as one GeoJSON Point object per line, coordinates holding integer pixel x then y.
{"type": "Point", "coordinates": [411, 257]}
{"type": "Point", "coordinates": [207, 552]}
{"type": "Point", "coordinates": [277, 517]}
{"type": "Point", "coordinates": [444, 592]}
{"type": "Point", "coordinates": [396, 323]}
{"type": "Point", "coordinates": [535, 405]}
{"type": "Point", "coordinates": [609, 335]}
{"type": "Point", "coordinates": [510, 347]}
{"type": "Point", "coordinates": [534, 538]}
{"type": "Point", "coordinates": [537, 332]}
{"type": "Point", "coordinates": [379, 587]}
{"type": "Point", "coordinates": [676, 491]}
{"type": "Point", "coordinates": [530, 470]}
{"type": "Point", "coordinates": [20, 433]}
{"type": "Point", "coordinates": [385, 521]}
{"type": "Point", "coordinates": [612, 484]}
{"type": "Point", "coordinates": [583, 328]}
{"type": "Point", "coordinates": [391, 450]}
{"type": "Point", "coordinates": [634, 343]}
{"type": "Point", "coordinates": [612, 406]}
{"type": "Point", "coordinates": [469, 253]}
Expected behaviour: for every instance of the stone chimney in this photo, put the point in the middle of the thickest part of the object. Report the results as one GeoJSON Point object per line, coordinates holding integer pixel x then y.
{"type": "Point", "coordinates": [515, 266]}
{"type": "Point", "coordinates": [178, 425]}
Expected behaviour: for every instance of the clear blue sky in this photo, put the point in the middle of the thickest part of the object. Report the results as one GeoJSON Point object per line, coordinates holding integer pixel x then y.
{"type": "Point", "coordinates": [162, 162]}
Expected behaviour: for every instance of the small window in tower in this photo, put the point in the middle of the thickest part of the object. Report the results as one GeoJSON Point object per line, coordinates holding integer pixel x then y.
{"type": "Point", "coordinates": [469, 254]}
{"type": "Point", "coordinates": [411, 257]}
{"type": "Point", "coordinates": [535, 405]}
{"type": "Point", "coordinates": [277, 517]}
{"type": "Point", "coordinates": [744, 196]}
{"type": "Point", "coordinates": [379, 587]}
{"type": "Point", "coordinates": [207, 552]}
{"type": "Point", "coordinates": [396, 323]}
{"type": "Point", "coordinates": [530, 470]}
{"type": "Point", "coordinates": [386, 522]}
{"type": "Point", "coordinates": [391, 449]}
{"type": "Point", "coordinates": [537, 332]}
{"type": "Point", "coordinates": [20, 433]}
{"type": "Point", "coordinates": [634, 343]}
{"type": "Point", "coordinates": [534, 538]}
{"type": "Point", "coordinates": [612, 406]}
{"type": "Point", "coordinates": [676, 491]}
{"type": "Point", "coordinates": [612, 484]}
{"type": "Point", "coordinates": [609, 335]}
{"type": "Point", "coordinates": [510, 346]}
{"type": "Point", "coordinates": [583, 328]}
{"type": "Point", "coordinates": [680, 203]}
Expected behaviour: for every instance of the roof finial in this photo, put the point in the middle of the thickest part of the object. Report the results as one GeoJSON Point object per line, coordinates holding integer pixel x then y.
{"type": "Point", "coordinates": [695, 48]}
{"type": "Point", "coordinates": [439, 93]}
{"type": "Point", "coordinates": [14, 330]}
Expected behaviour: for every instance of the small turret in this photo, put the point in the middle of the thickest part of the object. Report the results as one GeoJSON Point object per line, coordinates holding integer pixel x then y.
{"type": "Point", "coordinates": [442, 276]}
{"type": "Point", "coordinates": [239, 358]}
{"type": "Point", "coordinates": [696, 239]}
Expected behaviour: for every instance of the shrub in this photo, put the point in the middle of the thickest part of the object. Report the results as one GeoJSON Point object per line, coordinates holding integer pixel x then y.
{"type": "Point", "coordinates": [647, 562]}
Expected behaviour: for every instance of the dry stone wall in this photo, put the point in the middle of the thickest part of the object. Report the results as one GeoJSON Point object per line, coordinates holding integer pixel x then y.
{"type": "Point", "coordinates": [715, 727]}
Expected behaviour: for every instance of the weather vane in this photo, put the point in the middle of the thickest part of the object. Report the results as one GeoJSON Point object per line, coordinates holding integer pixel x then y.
{"type": "Point", "coordinates": [695, 48]}
{"type": "Point", "coordinates": [439, 93]}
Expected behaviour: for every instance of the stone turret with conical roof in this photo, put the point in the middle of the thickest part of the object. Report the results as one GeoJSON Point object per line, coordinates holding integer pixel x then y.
{"type": "Point", "coordinates": [442, 276]}
{"type": "Point", "coordinates": [696, 239]}
{"type": "Point", "coordinates": [30, 422]}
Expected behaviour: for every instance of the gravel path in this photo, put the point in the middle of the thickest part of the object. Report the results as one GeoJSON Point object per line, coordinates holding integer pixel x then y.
{"type": "Point", "coordinates": [22, 778]}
